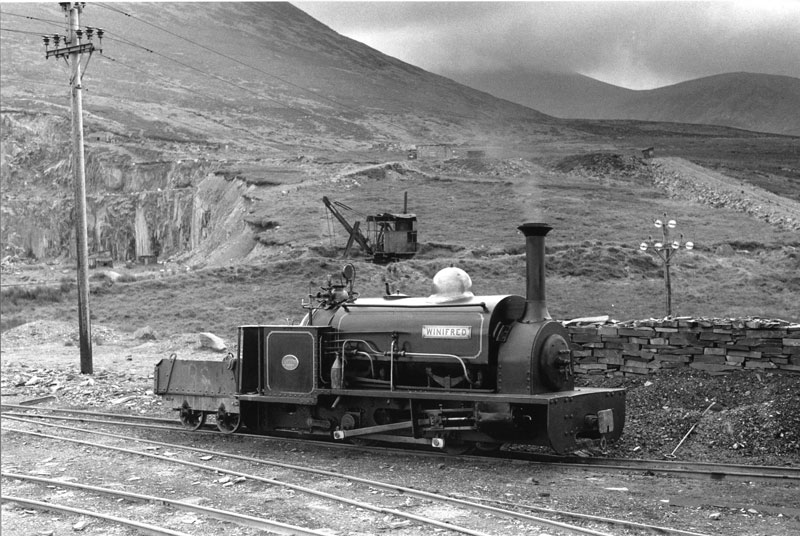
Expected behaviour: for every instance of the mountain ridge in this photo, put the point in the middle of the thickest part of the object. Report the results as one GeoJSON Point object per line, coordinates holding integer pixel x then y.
{"type": "Point", "coordinates": [750, 101]}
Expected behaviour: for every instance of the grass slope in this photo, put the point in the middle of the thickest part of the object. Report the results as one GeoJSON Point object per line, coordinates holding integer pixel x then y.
{"type": "Point", "coordinates": [467, 218]}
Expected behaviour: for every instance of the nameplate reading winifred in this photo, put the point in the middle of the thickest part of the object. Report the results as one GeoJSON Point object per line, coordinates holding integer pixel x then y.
{"type": "Point", "coordinates": [446, 332]}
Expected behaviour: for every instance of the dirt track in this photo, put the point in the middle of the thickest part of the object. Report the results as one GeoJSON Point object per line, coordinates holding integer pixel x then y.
{"type": "Point", "coordinates": [684, 179]}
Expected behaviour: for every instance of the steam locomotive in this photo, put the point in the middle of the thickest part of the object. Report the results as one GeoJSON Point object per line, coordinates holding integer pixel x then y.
{"type": "Point", "coordinates": [451, 370]}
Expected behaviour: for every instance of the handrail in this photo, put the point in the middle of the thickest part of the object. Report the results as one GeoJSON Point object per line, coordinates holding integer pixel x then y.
{"type": "Point", "coordinates": [445, 356]}
{"type": "Point", "coordinates": [422, 306]}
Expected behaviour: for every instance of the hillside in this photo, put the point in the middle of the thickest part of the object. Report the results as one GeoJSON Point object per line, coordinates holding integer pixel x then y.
{"type": "Point", "coordinates": [182, 92]}
{"type": "Point", "coordinates": [257, 75]}
{"type": "Point", "coordinates": [749, 101]}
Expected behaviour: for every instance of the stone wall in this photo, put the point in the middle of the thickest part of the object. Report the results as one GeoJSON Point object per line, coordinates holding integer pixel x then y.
{"type": "Point", "coordinates": [713, 345]}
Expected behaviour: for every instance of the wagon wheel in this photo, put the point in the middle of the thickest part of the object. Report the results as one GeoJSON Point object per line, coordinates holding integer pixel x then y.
{"type": "Point", "coordinates": [192, 418]}
{"type": "Point", "coordinates": [228, 423]}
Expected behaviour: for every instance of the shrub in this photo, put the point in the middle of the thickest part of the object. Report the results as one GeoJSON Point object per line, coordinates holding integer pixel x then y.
{"type": "Point", "coordinates": [9, 323]}
{"type": "Point", "coordinates": [37, 294]}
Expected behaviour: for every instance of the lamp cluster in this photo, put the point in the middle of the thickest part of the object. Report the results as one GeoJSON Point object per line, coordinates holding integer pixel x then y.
{"type": "Point", "coordinates": [665, 249]}
{"type": "Point", "coordinates": [665, 244]}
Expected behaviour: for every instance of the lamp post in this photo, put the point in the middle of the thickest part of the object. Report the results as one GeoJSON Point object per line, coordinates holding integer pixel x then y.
{"type": "Point", "coordinates": [665, 249]}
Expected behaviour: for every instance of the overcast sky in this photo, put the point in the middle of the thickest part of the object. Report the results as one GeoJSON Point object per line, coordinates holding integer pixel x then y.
{"type": "Point", "coordinates": [638, 45]}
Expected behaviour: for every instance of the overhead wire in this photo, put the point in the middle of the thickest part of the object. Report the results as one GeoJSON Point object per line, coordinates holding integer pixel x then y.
{"type": "Point", "coordinates": [129, 67]}
{"type": "Point", "coordinates": [151, 51]}
{"type": "Point", "coordinates": [249, 66]}
{"type": "Point", "coordinates": [199, 70]}
{"type": "Point", "coordinates": [38, 19]}
{"type": "Point", "coordinates": [196, 69]}
{"type": "Point", "coordinates": [179, 86]}
{"type": "Point", "coordinates": [38, 34]}
{"type": "Point", "coordinates": [231, 58]}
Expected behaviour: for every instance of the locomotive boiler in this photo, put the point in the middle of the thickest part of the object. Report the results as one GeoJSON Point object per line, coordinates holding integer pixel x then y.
{"type": "Point", "coordinates": [452, 370]}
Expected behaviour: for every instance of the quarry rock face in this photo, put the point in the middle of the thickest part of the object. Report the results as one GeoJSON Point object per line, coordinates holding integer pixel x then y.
{"type": "Point", "coordinates": [138, 205]}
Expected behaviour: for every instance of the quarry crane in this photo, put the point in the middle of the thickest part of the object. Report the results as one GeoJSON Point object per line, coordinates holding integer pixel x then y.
{"type": "Point", "coordinates": [353, 230]}
{"type": "Point", "coordinates": [394, 236]}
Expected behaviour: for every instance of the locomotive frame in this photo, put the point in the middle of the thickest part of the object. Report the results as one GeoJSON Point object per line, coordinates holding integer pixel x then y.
{"type": "Point", "coordinates": [451, 370]}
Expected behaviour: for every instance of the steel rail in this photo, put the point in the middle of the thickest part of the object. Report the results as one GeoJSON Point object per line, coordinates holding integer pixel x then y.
{"type": "Point", "coordinates": [712, 471]}
{"type": "Point", "coordinates": [84, 412]}
{"type": "Point", "coordinates": [142, 527]}
{"type": "Point", "coordinates": [269, 525]}
{"type": "Point", "coordinates": [588, 517]}
{"type": "Point", "coordinates": [271, 481]}
{"type": "Point", "coordinates": [472, 505]}
{"type": "Point", "coordinates": [176, 426]}
{"type": "Point", "coordinates": [777, 469]}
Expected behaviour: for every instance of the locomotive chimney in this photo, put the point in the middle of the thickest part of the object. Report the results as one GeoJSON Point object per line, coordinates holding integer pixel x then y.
{"type": "Point", "coordinates": [536, 304]}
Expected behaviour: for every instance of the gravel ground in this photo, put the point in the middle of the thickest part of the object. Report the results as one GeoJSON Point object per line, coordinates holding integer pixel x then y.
{"type": "Point", "coordinates": [755, 419]}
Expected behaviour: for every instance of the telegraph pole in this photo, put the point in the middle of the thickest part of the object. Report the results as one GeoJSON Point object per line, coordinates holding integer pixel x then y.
{"type": "Point", "coordinates": [74, 49]}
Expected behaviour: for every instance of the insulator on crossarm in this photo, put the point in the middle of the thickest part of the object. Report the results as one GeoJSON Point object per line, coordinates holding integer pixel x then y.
{"type": "Point", "coordinates": [56, 39]}
{"type": "Point", "coordinates": [89, 33]}
{"type": "Point", "coordinates": [46, 39]}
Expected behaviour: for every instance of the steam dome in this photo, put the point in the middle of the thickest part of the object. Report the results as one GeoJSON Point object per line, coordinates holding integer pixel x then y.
{"type": "Point", "coordinates": [451, 284]}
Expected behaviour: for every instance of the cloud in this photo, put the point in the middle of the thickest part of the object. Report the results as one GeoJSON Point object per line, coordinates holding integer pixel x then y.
{"type": "Point", "coordinates": [635, 44]}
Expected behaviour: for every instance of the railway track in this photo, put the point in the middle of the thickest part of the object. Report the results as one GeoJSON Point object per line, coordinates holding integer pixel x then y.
{"type": "Point", "coordinates": [515, 512]}
{"type": "Point", "coordinates": [146, 528]}
{"type": "Point", "coordinates": [215, 513]}
{"type": "Point", "coordinates": [688, 469]}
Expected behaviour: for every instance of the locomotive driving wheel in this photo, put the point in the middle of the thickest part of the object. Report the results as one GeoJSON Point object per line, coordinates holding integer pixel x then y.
{"type": "Point", "coordinates": [191, 418]}
{"type": "Point", "coordinates": [486, 447]}
{"type": "Point", "coordinates": [228, 423]}
{"type": "Point", "coordinates": [458, 447]}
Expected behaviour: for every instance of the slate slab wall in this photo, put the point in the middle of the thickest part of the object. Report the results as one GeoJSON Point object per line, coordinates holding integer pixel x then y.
{"type": "Point", "coordinates": [714, 345]}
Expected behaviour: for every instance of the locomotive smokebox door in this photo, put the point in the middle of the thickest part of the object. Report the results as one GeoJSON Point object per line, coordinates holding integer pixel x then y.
{"type": "Point", "coordinates": [279, 359]}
